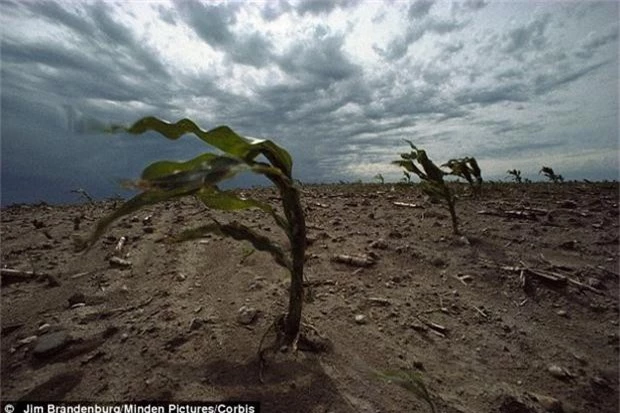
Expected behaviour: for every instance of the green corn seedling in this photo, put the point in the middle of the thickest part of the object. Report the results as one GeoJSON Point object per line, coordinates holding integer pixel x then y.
{"type": "Point", "coordinates": [551, 175]}
{"type": "Point", "coordinates": [516, 175]}
{"type": "Point", "coordinates": [468, 169]}
{"type": "Point", "coordinates": [379, 178]}
{"type": "Point", "coordinates": [198, 177]}
{"type": "Point", "coordinates": [431, 175]}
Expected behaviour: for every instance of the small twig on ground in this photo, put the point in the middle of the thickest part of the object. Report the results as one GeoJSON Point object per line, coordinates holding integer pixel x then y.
{"type": "Point", "coordinates": [358, 261]}
{"type": "Point", "coordinates": [482, 313]}
{"type": "Point", "coordinates": [408, 205]}
{"type": "Point", "coordinates": [550, 276]}
{"type": "Point", "coordinates": [10, 275]}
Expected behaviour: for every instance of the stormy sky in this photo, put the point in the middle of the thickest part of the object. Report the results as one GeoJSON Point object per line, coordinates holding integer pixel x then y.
{"type": "Point", "coordinates": [339, 84]}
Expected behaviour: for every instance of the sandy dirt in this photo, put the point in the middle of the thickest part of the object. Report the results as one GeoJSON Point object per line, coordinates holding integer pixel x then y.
{"type": "Point", "coordinates": [518, 314]}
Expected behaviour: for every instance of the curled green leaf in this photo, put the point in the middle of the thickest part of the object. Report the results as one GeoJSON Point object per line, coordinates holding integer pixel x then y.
{"type": "Point", "coordinates": [222, 138]}
{"type": "Point", "coordinates": [134, 204]}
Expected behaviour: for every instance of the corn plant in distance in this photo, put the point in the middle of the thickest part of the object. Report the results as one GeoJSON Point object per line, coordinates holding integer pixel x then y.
{"type": "Point", "coordinates": [548, 172]}
{"type": "Point", "coordinates": [516, 175]}
{"type": "Point", "coordinates": [198, 177]}
{"type": "Point", "coordinates": [466, 168]}
{"type": "Point", "coordinates": [431, 175]}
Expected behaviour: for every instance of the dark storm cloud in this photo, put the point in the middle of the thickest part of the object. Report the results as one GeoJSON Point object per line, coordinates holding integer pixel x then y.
{"type": "Point", "coordinates": [215, 24]}
{"type": "Point", "coordinates": [399, 46]}
{"type": "Point", "coordinates": [512, 92]}
{"type": "Point", "coordinates": [529, 36]}
{"type": "Point", "coordinates": [312, 92]}
{"type": "Point", "coordinates": [319, 59]}
{"type": "Point", "coordinates": [545, 83]}
{"type": "Point", "coordinates": [273, 10]}
{"type": "Point", "coordinates": [252, 50]}
{"type": "Point", "coordinates": [318, 7]}
{"type": "Point", "coordinates": [166, 14]}
{"type": "Point", "coordinates": [211, 22]}
{"type": "Point", "coordinates": [60, 14]}
{"type": "Point", "coordinates": [420, 8]}
{"type": "Point", "coordinates": [591, 45]}
{"type": "Point", "coordinates": [475, 4]}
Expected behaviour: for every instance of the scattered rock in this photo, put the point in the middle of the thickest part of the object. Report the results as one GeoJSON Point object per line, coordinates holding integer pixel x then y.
{"type": "Point", "coordinates": [568, 204]}
{"type": "Point", "coordinates": [600, 382]}
{"type": "Point", "coordinates": [464, 241]}
{"type": "Point", "coordinates": [438, 261]}
{"type": "Point", "coordinates": [379, 244]}
{"type": "Point", "coordinates": [27, 340]}
{"type": "Point", "coordinates": [51, 343]}
{"type": "Point", "coordinates": [559, 372]}
{"type": "Point", "coordinates": [246, 315]}
{"type": "Point", "coordinates": [568, 245]}
{"type": "Point", "coordinates": [358, 261]}
{"type": "Point", "coordinates": [175, 342]}
{"type": "Point", "coordinates": [419, 327]}
{"type": "Point", "coordinates": [360, 319]}
{"type": "Point", "coordinates": [550, 404]}
{"type": "Point", "coordinates": [195, 323]}
{"type": "Point", "coordinates": [76, 298]}
{"type": "Point", "coordinates": [510, 404]}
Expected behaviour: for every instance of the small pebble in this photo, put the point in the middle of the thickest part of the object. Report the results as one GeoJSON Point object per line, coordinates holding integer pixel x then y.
{"type": "Point", "coordinates": [360, 319]}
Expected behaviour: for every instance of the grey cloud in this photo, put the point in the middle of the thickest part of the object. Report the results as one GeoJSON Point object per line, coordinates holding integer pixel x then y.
{"type": "Point", "coordinates": [508, 126]}
{"type": "Point", "coordinates": [594, 42]}
{"type": "Point", "coordinates": [56, 13]}
{"type": "Point", "coordinates": [545, 83]}
{"type": "Point", "coordinates": [215, 25]}
{"type": "Point", "coordinates": [252, 50]}
{"type": "Point", "coordinates": [113, 31]}
{"type": "Point", "coordinates": [323, 59]}
{"type": "Point", "coordinates": [128, 50]}
{"type": "Point", "coordinates": [497, 151]}
{"type": "Point", "coordinates": [420, 8]}
{"type": "Point", "coordinates": [512, 92]}
{"type": "Point", "coordinates": [317, 7]}
{"type": "Point", "coordinates": [167, 14]}
{"type": "Point", "coordinates": [512, 73]}
{"type": "Point", "coordinates": [272, 10]}
{"type": "Point", "coordinates": [398, 47]}
{"type": "Point", "coordinates": [211, 23]}
{"type": "Point", "coordinates": [527, 36]}
{"type": "Point", "coordinates": [475, 4]}
{"type": "Point", "coordinates": [48, 54]}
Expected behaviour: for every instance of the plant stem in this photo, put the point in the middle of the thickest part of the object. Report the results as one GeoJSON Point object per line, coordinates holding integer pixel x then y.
{"type": "Point", "coordinates": [450, 201]}
{"type": "Point", "coordinates": [297, 237]}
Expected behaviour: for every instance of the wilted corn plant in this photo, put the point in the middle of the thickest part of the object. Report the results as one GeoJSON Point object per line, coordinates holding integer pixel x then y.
{"type": "Point", "coordinates": [466, 168]}
{"type": "Point", "coordinates": [516, 175]}
{"type": "Point", "coordinates": [165, 180]}
{"type": "Point", "coordinates": [432, 178]}
{"type": "Point", "coordinates": [551, 175]}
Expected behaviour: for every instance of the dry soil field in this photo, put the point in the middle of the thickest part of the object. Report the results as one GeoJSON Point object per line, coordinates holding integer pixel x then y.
{"type": "Point", "coordinates": [519, 314]}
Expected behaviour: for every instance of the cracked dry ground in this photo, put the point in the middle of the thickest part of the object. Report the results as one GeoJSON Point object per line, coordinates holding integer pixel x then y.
{"type": "Point", "coordinates": [519, 315]}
